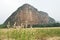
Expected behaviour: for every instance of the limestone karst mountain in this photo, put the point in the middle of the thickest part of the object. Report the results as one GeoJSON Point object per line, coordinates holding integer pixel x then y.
{"type": "Point", "coordinates": [27, 14]}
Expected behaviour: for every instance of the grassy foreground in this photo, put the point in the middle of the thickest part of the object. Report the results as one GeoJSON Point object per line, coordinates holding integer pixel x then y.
{"type": "Point", "coordinates": [29, 33]}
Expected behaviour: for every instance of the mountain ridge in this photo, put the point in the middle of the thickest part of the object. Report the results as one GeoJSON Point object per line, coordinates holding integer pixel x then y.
{"type": "Point", "coordinates": [30, 15]}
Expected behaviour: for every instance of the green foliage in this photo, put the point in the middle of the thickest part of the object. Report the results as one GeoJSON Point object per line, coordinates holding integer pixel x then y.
{"type": "Point", "coordinates": [48, 25]}
{"type": "Point", "coordinates": [2, 26]}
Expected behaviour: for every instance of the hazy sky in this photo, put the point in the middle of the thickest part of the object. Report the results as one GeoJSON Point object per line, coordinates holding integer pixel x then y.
{"type": "Point", "coordinates": [52, 7]}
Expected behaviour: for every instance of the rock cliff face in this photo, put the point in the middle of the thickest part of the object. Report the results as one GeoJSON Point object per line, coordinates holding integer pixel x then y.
{"type": "Point", "coordinates": [30, 15]}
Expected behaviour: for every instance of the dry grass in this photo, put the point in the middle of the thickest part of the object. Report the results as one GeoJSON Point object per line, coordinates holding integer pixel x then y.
{"type": "Point", "coordinates": [52, 33]}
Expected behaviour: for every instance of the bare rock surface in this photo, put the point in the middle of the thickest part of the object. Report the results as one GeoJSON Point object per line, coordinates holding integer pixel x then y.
{"type": "Point", "coordinates": [30, 15]}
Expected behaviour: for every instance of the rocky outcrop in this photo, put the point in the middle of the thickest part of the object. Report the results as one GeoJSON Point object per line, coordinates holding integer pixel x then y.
{"type": "Point", "coordinates": [46, 17]}
{"type": "Point", "coordinates": [27, 14]}
{"type": "Point", "coordinates": [51, 20]}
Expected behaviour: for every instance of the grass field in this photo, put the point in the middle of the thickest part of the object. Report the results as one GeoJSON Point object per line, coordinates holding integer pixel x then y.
{"type": "Point", "coordinates": [30, 34]}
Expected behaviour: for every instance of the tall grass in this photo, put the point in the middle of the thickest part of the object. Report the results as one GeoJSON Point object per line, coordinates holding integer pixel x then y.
{"type": "Point", "coordinates": [28, 33]}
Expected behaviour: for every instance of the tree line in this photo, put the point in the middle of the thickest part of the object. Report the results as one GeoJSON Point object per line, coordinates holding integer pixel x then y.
{"type": "Point", "coordinates": [38, 25]}
{"type": "Point", "coordinates": [48, 25]}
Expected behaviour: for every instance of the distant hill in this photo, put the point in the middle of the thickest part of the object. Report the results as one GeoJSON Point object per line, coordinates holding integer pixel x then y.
{"type": "Point", "coordinates": [30, 15]}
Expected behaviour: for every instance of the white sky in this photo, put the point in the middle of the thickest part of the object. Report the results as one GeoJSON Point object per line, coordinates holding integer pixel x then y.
{"type": "Point", "coordinates": [52, 7]}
